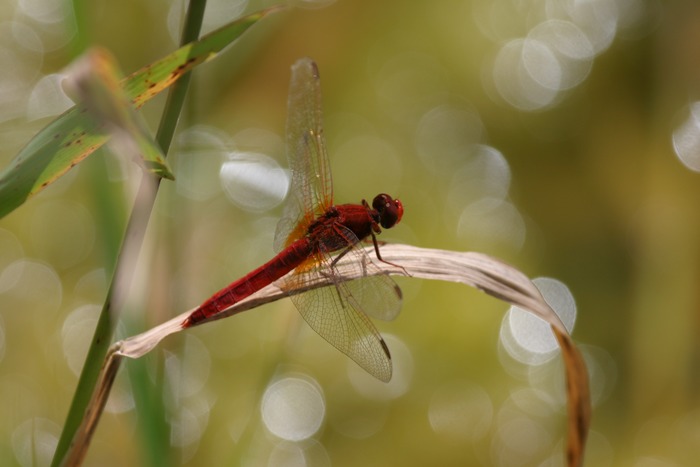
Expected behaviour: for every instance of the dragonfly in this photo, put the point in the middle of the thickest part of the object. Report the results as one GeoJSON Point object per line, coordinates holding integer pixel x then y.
{"type": "Point", "coordinates": [312, 237]}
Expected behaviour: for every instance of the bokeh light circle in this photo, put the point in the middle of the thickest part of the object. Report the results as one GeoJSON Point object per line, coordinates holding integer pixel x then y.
{"type": "Point", "coordinates": [570, 47]}
{"type": "Point", "coordinates": [519, 440]}
{"type": "Point", "coordinates": [11, 250]}
{"type": "Point", "coordinates": [34, 441]}
{"type": "Point", "coordinates": [190, 423]}
{"type": "Point", "coordinates": [492, 223]}
{"type": "Point", "coordinates": [200, 150]}
{"type": "Point", "coordinates": [76, 335]}
{"type": "Point", "coordinates": [445, 135]}
{"type": "Point", "coordinates": [310, 453]}
{"type": "Point", "coordinates": [293, 408]}
{"type": "Point", "coordinates": [32, 285]}
{"type": "Point", "coordinates": [529, 339]}
{"type": "Point", "coordinates": [48, 98]}
{"type": "Point", "coordinates": [461, 411]}
{"type": "Point", "coordinates": [596, 18]}
{"type": "Point", "coordinates": [484, 174]}
{"type": "Point", "coordinates": [686, 139]}
{"type": "Point", "coordinates": [189, 372]}
{"type": "Point", "coordinates": [518, 79]}
{"type": "Point", "coordinates": [254, 182]}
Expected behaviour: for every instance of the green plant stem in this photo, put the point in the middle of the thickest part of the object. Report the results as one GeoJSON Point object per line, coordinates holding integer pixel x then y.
{"type": "Point", "coordinates": [131, 245]}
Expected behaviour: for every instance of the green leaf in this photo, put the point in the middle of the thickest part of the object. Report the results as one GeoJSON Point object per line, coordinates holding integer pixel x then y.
{"type": "Point", "coordinates": [95, 83]}
{"type": "Point", "coordinates": [74, 135]}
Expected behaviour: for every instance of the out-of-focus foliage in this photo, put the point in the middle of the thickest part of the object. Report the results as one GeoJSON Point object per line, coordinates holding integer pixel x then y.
{"type": "Point", "coordinates": [104, 110]}
{"type": "Point", "coordinates": [561, 136]}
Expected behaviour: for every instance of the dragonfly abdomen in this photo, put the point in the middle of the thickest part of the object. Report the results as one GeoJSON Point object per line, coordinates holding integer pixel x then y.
{"type": "Point", "coordinates": [277, 267]}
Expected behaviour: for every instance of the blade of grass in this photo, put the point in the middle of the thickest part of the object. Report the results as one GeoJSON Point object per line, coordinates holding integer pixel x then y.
{"type": "Point", "coordinates": [148, 399]}
{"type": "Point", "coordinates": [73, 136]}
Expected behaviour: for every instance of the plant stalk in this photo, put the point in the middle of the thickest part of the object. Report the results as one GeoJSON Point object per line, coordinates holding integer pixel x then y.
{"type": "Point", "coordinates": [131, 246]}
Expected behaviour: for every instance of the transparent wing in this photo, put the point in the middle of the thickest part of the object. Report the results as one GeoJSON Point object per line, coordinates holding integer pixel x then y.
{"type": "Point", "coordinates": [338, 313]}
{"type": "Point", "coordinates": [377, 295]}
{"type": "Point", "coordinates": [311, 188]}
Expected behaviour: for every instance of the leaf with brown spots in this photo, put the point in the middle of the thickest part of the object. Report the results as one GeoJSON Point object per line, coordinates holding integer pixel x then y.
{"type": "Point", "coordinates": [76, 134]}
{"type": "Point", "coordinates": [95, 83]}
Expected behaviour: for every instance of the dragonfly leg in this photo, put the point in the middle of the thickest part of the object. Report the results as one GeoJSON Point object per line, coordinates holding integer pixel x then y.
{"type": "Point", "coordinates": [379, 256]}
{"type": "Point", "coordinates": [329, 275]}
{"type": "Point", "coordinates": [342, 253]}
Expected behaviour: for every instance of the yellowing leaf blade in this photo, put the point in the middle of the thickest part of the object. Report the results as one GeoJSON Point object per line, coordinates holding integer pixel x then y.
{"type": "Point", "coordinates": [74, 135]}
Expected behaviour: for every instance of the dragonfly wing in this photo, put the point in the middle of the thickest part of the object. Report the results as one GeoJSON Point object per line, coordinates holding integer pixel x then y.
{"type": "Point", "coordinates": [339, 312]}
{"type": "Point", "coordinates": [311, 188]}
{"type": "Point", "coordinates": [377, 294]}
{"type": "Point", "coordinates": [335, 316]}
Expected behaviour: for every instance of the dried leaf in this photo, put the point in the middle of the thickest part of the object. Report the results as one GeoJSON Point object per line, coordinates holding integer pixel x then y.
{"type": "Point", "coordinates": [474, 269]}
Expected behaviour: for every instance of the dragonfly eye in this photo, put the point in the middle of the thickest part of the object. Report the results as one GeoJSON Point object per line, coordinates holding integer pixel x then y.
{"type": "Point", "coordinates": [390, 210]}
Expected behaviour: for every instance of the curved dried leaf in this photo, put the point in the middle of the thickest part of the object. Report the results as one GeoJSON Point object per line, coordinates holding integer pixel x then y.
{"type": "Point", "coordinates": [474, 269]}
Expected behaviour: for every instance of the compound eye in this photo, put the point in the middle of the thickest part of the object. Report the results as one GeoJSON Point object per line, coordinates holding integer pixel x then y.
{"type": "Point", "coordinates": [390, 210]}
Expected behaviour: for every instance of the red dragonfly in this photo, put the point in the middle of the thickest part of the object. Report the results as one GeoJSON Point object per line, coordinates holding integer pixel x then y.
{"type": "Point", "coordinates": [313, 235]}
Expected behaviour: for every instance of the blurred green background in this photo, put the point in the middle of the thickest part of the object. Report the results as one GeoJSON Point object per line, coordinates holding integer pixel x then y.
{"type": "Point", "coordinates": [562, 136]}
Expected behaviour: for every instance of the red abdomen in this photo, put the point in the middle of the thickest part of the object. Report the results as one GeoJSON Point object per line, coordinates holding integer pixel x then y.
{"type": "Point", "coordinates": [284, 262]}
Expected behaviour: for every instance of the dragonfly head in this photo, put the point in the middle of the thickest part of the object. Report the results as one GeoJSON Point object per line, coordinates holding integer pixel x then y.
{"type": "Point", "coordinates": [390, 210]}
